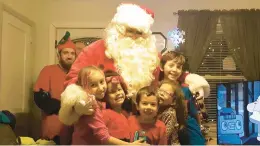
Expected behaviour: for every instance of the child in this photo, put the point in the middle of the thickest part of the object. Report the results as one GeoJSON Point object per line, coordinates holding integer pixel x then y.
{"type": "Point", "coordinates": [172, 111]}
{"type": "Point", "coordinates": [145, 124]}
{"type": "Point", "coordinates": [115, 115]}
{"type": "Point", "coordinates": [88, 130]}
{"type": "Point", "coordinates": [171, 69]}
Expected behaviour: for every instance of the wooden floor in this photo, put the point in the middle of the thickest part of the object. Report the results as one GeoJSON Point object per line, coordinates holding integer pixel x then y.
{"type": "Point", "coordinates": [212, 133]}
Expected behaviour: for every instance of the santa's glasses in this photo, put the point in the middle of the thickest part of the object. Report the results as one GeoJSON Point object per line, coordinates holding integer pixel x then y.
{"type": "Point", "coordinates": [133, 31]}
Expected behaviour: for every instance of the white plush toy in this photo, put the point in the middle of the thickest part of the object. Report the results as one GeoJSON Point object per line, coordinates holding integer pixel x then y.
{"type": "Point", "coordinates": [75, 102]}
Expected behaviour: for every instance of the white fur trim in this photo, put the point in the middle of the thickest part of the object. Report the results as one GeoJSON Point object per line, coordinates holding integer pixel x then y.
{"type": "Point", "coordinates": [72, 96]}
{"type": "Point", "coordinates": [197, 84]}
{"type": "Point", "coordinates": [133, 16]}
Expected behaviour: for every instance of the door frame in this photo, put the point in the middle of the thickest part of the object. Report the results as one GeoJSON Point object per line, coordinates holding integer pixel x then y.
{"type": "Point", "coordinates": [24, 19]}
{"type": "Point", "coordinates": [74, 25]}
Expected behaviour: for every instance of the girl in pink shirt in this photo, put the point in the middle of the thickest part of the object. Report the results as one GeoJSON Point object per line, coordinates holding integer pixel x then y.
{"type": "Point", "coordinates": [88, 129]}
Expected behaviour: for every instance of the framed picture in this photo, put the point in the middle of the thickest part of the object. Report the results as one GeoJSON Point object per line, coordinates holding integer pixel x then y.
{"type": "Point", "coordinates": [161, 42]}
{"type": "Point", "coordinates": [83, 42]}
{"type": "Point", "coordinates": [82, 37]}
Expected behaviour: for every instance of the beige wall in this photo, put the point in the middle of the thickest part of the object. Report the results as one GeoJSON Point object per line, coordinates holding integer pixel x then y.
{"type": "Point", "coordinates": [46, 12]}
{"type": "Point", "coordinates": [101, 11]}
{"type": "Point", "coordinates": [25, 7]}
{"type": "Point", "coordinates": [34, 11]}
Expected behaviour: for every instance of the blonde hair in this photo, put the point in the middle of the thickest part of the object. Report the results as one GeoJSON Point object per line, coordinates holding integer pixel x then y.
{"type": "Point", "coordinates": [85, 73]}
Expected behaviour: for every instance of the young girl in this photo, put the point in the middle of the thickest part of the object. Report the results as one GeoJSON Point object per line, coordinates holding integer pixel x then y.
{"type": "Point", "coordinates": [171, 69]}
{"type": "Point", "coordinates": [115, 114]}
{"type": "Point", "coordinates": [88, 130]}
{"type": "Point", "coordinates": [172, 111]}
{"type": "Point", "coordinates": [145, 125]}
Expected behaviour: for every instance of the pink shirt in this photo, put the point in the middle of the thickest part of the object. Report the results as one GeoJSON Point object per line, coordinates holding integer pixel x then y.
{"type": "Point", "coordinates": [90, 130]}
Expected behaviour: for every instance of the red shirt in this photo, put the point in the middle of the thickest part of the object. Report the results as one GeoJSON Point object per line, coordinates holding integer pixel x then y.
{"type": "Point", "coordinates": [90, 130]}
{"type": "Point", "coordinates": [51, 79]}
{"type": "Point", "coordinates": [155, 133]}
{"type": "Point", "coordinates": [117, 124]}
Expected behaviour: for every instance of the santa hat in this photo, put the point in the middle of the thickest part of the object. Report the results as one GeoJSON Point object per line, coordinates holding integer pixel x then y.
{"type": "Point", "coordinates": [66, 42]}
{"type": "Point", "coordinates": [134, 16]}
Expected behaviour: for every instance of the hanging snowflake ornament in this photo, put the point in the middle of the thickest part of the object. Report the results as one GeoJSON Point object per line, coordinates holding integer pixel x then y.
{"type": "Point", "coordinates": [177, 37]}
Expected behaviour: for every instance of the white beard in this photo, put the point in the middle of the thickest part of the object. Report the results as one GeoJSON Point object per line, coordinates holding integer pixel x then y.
{"type": "Point", "coordinates": [136, 60]}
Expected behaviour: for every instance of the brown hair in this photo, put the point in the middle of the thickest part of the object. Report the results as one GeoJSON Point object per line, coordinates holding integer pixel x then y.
{"type": "Point", "coordinates": [110, 73]}
{"type": "Point", "coordinates": [178, 102]}
{"type": "Point", "coordinates": [171, 55]}
{"type": "Point", "coordinates": [127, 104]}
{"type": "Point", "coordinates": [148, 91]}
{"type": "Point", "coordinates": [84, 74]}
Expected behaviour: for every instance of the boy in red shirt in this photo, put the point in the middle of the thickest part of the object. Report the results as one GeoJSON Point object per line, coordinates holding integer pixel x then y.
{"type": "Point", "coordinates": [145, 125]}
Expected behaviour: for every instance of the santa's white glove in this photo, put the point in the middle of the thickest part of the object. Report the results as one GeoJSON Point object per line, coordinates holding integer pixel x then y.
{"type": "Point", "coordinates": [75, 102]}
{"type": "Point", "coordinates": [201, 94]}
{"type": "Point", "coordinates": [199, 84]}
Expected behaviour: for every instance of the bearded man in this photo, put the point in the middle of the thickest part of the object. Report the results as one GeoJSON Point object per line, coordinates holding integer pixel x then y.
{"type": "Point", "coordinates": [50, 85]}
{"type": "Point", "coordinates": [128, 48]}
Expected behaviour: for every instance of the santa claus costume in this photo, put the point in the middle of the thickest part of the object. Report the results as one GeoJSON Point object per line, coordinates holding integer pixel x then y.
{"type": "Point", "coordinates": [134, 58]}
{"type": "Point", "coordinates": [128, 48]}
{"type": "Point", "coordinates": [116, 52]}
